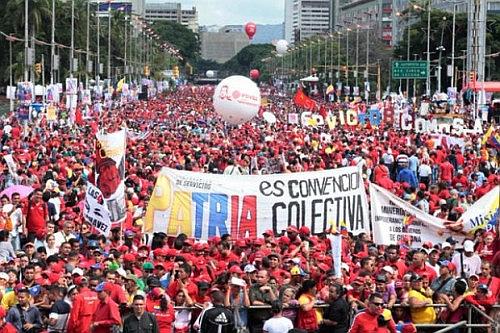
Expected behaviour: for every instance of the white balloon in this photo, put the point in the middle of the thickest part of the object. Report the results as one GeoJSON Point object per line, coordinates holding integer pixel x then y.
{"type": "Point", "coordinates": [237, 99]}
{"type": "Point", "coordinates": [281, 46]}
{"type": "Point", "coordinates": [210, 74]}
{"type": "Point", "coordinates": [269, 117]}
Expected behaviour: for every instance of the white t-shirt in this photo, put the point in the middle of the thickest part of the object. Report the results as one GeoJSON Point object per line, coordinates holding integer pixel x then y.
{"type": "Point", "coordinates": [277, 325]}
{"type": "Point", "coordinates": [472, 265]}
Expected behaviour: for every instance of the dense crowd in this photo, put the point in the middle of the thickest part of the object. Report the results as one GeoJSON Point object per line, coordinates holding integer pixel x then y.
{"type": "Point", "coordinates": [58, 275]}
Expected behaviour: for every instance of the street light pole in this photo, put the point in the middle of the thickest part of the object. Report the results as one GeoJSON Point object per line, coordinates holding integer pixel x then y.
{"type": "Point", "coordinates": [26, 37]}
{"type": "Point", "coordinates": [357, 55]}
{"type": "Point", "coordinates": [347, 58]}
{"type": "Point", "coordinates": [87, 47]}
{"type": "Point", "coordinates": [72, 50]}
{"type": "Point", "coordinates": [428, 81]}
{"type": "Point", "coordinates": [440, 49]}
{"type": "Point", "coordinates": [109, 40]}
{"type": "Point", "coordinates": [453, 48]}
{"type": "Point", "coordinates": [98, 60]}
{"type": "Point", "coordinates": [53, 42]}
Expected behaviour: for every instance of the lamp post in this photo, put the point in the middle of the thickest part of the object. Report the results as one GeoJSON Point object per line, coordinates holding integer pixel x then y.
{"type": "Point", "coordinates": [440, 48]}
{"type": "Point", "coordinates": [428, 81]}
{"type": "Point", "coordinates": [109, 41]}
{"type": "Point", "coordinates": [72, 50]}
{"type": "Point", "coordinates": [98, 60]}
{"type": "Point", "coordinates": [347, 57]}
{"type": "Point", "coordinates": [27, 52]}
{"type": "Point", "coordinates": [87, 47]}
{"type": "Point", "coordinates": [52, 42]}
{"type": "Point", "coordinates": [357, 55]}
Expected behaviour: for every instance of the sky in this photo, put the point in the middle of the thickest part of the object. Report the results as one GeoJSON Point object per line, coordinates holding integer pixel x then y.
{"type": "Point", "coordinates": [224, 12]}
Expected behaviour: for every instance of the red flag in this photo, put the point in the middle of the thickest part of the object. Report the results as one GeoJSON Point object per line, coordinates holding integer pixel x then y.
{"type": "Point", "coordinates": [78, 117]}
{"type": "Point", "coordinates": [323, 112]}
{"type": "Point", "coordinates": [304, 101]}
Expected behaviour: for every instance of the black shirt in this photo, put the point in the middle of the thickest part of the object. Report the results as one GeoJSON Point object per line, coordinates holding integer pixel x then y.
{"type": "Point", "coordinates": [217, 320]}
{"type": "Point", "coordinates": [338, 311]}
{"type": "Point", "coordinates": [146, 324]}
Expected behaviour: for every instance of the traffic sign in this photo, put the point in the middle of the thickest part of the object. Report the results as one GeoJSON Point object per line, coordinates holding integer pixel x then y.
{"type": "Point", "coordinates": [412, 69]}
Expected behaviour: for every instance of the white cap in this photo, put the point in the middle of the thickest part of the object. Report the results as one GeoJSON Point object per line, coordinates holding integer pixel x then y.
{"type": "Point", "coordinates": [388, 269]}
{"type": "Point", "coordinates": [344, 266]}
{"type": "Point", "coordinates": [249, 268]}
{"type": "Point", "coordinates": [4, 276]}
{"type": "Point", "coordinates": [296, 261]}
{"type": "Point", "coordinates": [121, 272]}
{"type": "Point", "coordinates": [77, 271]}
{"type": "Point", "coordinates": [469, 246]}
{"type": "Point", "coordinates": [445, 245]}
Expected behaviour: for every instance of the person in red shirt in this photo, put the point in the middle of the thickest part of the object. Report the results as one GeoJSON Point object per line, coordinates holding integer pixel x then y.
{"type": "Point", "coordinates": [182, 281]}
{"type": "Point", "coordinates": [446, 171]}
{"type": "Point", "coordinates": [165, 314]}
{"type": "Point", "coordinates": [460, 178]}
{"type": "Point", "coordinates": [420, 267]}
{"type": "Point", "coordinates": [37, 216]}
{"type": "Point", "coordinates": [117, 294]}
{"type": "Point", "coordinates": [368, 320]}
{"type": "Point", "coordinates": [107, 313]}
{"type": "Point", "coordinates": [6, 327]}
{"type": "Point", "coordinates": [492, 282]}
{"type": "Point", "coordinates": [392, 255]}
{"type": "Point", "coordinates": [83, 308]}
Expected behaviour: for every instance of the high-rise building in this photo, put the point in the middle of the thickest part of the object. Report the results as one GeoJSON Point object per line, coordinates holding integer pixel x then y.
{"type": "Point", "coordinates": [306, 18]}
{"type": "Point", "coordinates": [173, 12]}
{"type": "Point", "coordinates": [222, 45]}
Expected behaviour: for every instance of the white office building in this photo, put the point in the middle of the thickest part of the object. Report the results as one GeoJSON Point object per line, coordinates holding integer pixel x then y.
{"type": "Point", "coordinates": [306, 18]}
{"type": "Point", "coordinates": [173, 12]}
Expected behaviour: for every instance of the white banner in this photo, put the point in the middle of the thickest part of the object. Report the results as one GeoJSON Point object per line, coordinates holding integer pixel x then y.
{"type": "Point", "coordinates": [205, 205]}
{"type": "Point", "coordinates": [336, 244]}
{"type": "Point", "coordinates": [110, 172]}
{"type": "Point", "coordinates": [11, 164]}
{"type": "Point", "coordinates": [483, 214]}
{"type": "Point", "coordinates": [95, 211]}
{"type": "Point", "coordinates": [393, 219]}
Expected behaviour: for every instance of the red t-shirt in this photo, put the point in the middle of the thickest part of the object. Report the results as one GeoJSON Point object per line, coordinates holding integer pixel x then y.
{"type": "Point", "coordinates": [173, 288]}
{"type": "Point", "coordinates": [493, 284]}
{"type": "Point", "coordinates": [446, 169]}
{"type": "Point", "coordinates": [36, 214]}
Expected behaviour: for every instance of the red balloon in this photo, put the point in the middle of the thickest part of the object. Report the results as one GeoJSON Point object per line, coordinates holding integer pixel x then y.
{"type": "Point", "coordinates": [250, 29]}
{"type": "Point", "coordinates": [254, 74]}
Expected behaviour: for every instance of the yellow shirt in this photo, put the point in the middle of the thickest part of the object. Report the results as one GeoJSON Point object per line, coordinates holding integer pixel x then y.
{"type": "Point", "coordinates": [306, 299]}
{"type": "Point", "coordinates": [9, 299]}
{"type": "Point", "coordinates": [425, 315]}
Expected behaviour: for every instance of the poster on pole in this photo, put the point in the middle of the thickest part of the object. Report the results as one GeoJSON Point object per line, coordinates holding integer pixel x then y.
{"type": "Point", "coordinates": [95, 211]}
{"type": "Point", "coordinates": [205, 205]}
{"type": "Point", "coordinates": [336, 245]}
{"type": "Point", "coordinates": [483, 214]}
{"type": "Point", "coordinates": [110, 172]}
{"type": "Point", "coordinates": [394, 220]}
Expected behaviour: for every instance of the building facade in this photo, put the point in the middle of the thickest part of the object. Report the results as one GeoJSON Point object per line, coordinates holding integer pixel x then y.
{"type": "Point", "coordinates": [172, 12]}
{"type": "Point", "coordinates": [222, 45]}
{"type": "Point", "coordinates": [306, 18]}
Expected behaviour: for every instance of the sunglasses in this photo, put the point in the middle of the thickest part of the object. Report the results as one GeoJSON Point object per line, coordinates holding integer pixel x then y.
{"type": "Point", "coordinates": [378, 304]}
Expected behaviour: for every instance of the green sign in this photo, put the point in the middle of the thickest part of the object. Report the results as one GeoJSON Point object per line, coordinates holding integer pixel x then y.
{"type": "Point", "coordinates": [402, 69]}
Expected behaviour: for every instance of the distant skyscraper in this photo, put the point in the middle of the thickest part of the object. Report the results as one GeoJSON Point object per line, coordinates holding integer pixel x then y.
{"type": "Point", "coordinates": [172, 12]}
{"type": "Point", "coordinates": [306, 18]}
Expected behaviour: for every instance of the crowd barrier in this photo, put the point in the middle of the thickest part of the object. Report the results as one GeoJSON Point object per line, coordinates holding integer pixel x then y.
{"type": "Point", "coordinates": [492, 325]}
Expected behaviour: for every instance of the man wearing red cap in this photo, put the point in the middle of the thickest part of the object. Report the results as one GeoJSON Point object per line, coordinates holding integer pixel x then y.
{"type": "Point", "coordinates": [84, 306]}
{"type": "Point", "coordinates": [107, 313]}
{"type": "Point", "coordinates": [37, 216]}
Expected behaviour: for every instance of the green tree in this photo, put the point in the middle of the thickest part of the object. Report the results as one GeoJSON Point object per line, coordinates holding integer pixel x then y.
{"type": "Point", "coordinates": [181, 37]}
{"type": "Point", "coordinates": [441, 34]}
